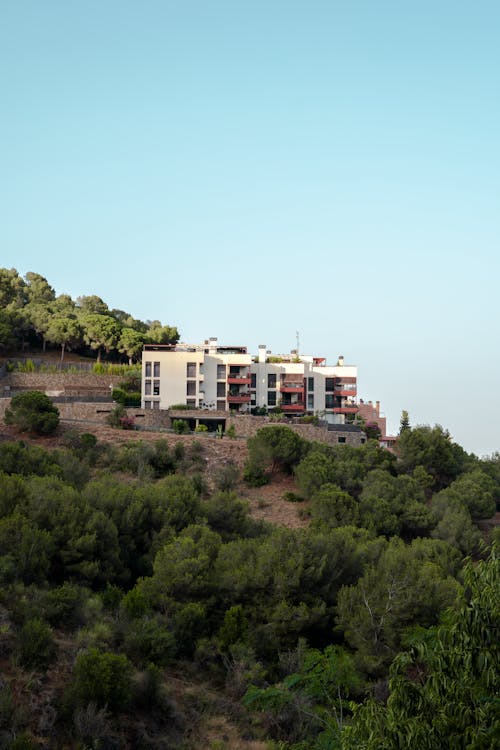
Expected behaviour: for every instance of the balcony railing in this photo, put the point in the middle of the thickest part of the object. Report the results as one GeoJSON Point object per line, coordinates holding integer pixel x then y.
{"type": "Point", "coordinates": [241, 398]}
{"type": "Point", "coordinates": [239, 379]}
{"type": "Point", "coordinates": [347, 409]}
{"type": "Point", "coordinates": [299, 406]}
{"type": "Point", "coordinates": [348, 393]}
{"type": "Point", "coordinates": [292, 387]}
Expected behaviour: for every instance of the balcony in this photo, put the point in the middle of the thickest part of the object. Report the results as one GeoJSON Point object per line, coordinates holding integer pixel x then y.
{"type": "Point", "coordinates": [233, 379]}
{"type": "Point", "coordinates": [240, 398]}
{"type": "Point", "coordinates": [298, 406]}
{"type": "Point", "coordinates": [347, 409]}
{"type": "Point", "coordinates": [292, 387]}
{"type": "Point", "coordinates": [349, 393]}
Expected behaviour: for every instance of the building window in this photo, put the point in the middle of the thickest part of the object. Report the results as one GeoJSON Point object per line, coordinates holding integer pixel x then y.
{"type": "Point", "coordinates": [341, 439]}
{"type": "Point", "coordinates": [147, 388]}
{"type": "Point", "coordinates": [148, 369]}
{"type": "Point", "coordinates": [156, 405]}
{"type": "Point", "coordinates": [191, 402]}
{"type": "Point", "coordinates": [271, 380]}
{"type": "Point", "coordinates": [221, 405]}
{"type": "Point", "coordinates": [363, 440]}
{"type": "Point", "coordinates": [310, 401]}
{"type": "Point", "coordinates": [221, 372]}
{"type": "Point", "coordinates": [191, 370]}
{"type": "Point", "coordinates": [253, 384]}
{"type": "Point", "coordinates": [329, 401]}
{"type": "Point", "coordinates": [156, 369]}
{"type": "Point", "coordinates": [147, 404]}
{"type": "Point", "coordinates": [191, 388]}
{"type": "Point", "coordinates": [310, 384]}
{"type": "Point", "coordinates": [156, 387]}
{"type": "Point", "coordinates": [329, 384]}
{"type": "Point", "coordinates": [221, 390]}
{"type": "Point", "coordinates": [271, 398]}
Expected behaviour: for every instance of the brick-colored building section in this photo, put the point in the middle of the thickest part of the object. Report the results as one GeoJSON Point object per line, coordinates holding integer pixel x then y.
{"type": "Point", "coordinates": [370, 412]}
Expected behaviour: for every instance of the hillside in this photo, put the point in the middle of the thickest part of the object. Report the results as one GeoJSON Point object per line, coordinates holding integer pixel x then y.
{"type": "Point", "coordinates": [144, 605]}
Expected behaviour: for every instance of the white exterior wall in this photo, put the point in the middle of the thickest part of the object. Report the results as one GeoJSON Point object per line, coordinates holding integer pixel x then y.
{"type": "Point", "coordinates": [173, 376]}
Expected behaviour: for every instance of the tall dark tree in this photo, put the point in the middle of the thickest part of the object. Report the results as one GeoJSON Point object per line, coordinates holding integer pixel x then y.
{"type": "Point", "coordinates": [404, 423]}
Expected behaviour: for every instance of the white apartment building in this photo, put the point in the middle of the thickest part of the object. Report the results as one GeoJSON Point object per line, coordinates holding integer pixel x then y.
{"type": "Point", "coordinates": [226, 378]}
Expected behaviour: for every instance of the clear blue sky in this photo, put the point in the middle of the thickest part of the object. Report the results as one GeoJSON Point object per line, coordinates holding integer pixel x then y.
{"type": "Point", "coordinates": [249, 169]}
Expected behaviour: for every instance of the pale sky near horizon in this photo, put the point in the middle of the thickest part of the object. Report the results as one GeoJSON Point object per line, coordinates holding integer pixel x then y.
{"type": "Point", "coordinates": [247, 170]}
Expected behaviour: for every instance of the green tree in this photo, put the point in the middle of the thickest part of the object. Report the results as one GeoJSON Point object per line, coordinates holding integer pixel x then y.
{"type": "Point", "coordinates": [333, 507]}
{"type": "Point", "coordinates": [444, 689]}
{"type": "Point", "coordinates": [38, 289]}
{"type": "Point", "coordinates": [100, 332]}
{"type": "Point", "coordinates": [64, 330]}
{"type": "Point", "coordinates": [158, 334]}
{"type": "Point", "coordinates": [276, 446]}
{"type": "Point", "coordinates": [372, 431]}
{"type": "Point", "coordinates": [311, 705]}
{"type": "Point", "coordinates": [130, 343]}
{"type": "Point", "coordinates": [92, 304]}
{"type": "Point", "coordinates": [33, 411]}
{"type": "Point", "coordinates": [29, 548]}
{"type": "Point", "coordinates": [434, 450]}
{"type": "Point", "coordinates": [12, 289]}
{"type": "Point", "coordinates": [475, 491]}
{"type": "Point", "coordinates": [315, 470]}
{"type": "Point", "coordinates": [455, 526]}
{"type": "Point", "coordinates": [183, 568]}
{"type": "Point", "coordinates": [404, 423]}
{"type": "Point", "coordinates": [39, 316]}
{"type": "Point", "coordinates": [402, 589]}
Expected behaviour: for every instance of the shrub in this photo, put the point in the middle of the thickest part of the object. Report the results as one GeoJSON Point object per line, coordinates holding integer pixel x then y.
{"type": "Point", "coordinates": [126, 398]}
{"type": "Point", "coordinates": [201, 428]}
{"type": "Point", "coordinates": [255, 476]}
{"type": "Point", "coordinates": [179, 451]}
{"type": "Point", "coordinates": [309, 419]}
{"type": "Point", "coordinates": [180, 426]}
{"type": "Point", "coordinates": [34, 412]}
{"type": "Point", "coordinates": [293, 497]}
{"type": "Point", "coordinates": [227, 476]}
{"type": "Point", "coordinates": [91, 725]}
{"type": "Point", "coordinates": [119, 418]}
{"type": "Point", "coordinates": [35, 647]}
{"type": "Point", "coordinates": [231, 431]}
{"type": "Point", "coordinates": [149, 640]}
{"type": "Point", "coordinates": [276, 446]}
{"type": "Point", "coordinates": [103, 677]}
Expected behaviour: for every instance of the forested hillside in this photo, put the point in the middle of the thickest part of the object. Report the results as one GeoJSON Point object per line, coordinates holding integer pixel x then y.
{"type": "Point", "coordinates": [138, 609]}
{"type": "Point", "coordinates": [32, 316]}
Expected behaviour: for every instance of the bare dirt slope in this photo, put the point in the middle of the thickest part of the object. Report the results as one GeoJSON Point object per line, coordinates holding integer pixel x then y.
{"type": "Point", "coordinates": [266, 503]}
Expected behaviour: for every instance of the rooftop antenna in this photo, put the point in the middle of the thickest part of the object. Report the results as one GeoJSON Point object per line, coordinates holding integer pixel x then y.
{"type": "Point", "coordinates": [298, 341]}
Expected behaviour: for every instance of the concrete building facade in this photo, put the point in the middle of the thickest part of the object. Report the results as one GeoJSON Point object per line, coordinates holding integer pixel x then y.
{"type": "Point", "coordinates": [227, 378]}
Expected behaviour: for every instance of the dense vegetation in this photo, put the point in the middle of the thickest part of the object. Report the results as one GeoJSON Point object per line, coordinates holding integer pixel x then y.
{"type": "Point", "coordinates": [31, 314]}
{"type": "Point", "coordinates": [120, 572]}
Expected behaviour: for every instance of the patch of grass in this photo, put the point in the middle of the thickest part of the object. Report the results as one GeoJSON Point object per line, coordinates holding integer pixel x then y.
{"type": "Point", "coordinates": [293, 497]}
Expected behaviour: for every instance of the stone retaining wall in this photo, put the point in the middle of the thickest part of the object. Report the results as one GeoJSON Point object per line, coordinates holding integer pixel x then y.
{"type": "Point", "coordinates": [92, 385]}
{"type": "Point", "coordinates": [245, 426]}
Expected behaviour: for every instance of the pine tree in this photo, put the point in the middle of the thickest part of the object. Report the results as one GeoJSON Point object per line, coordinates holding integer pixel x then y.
{"type": "Point", "coordinates": [404, 423]}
